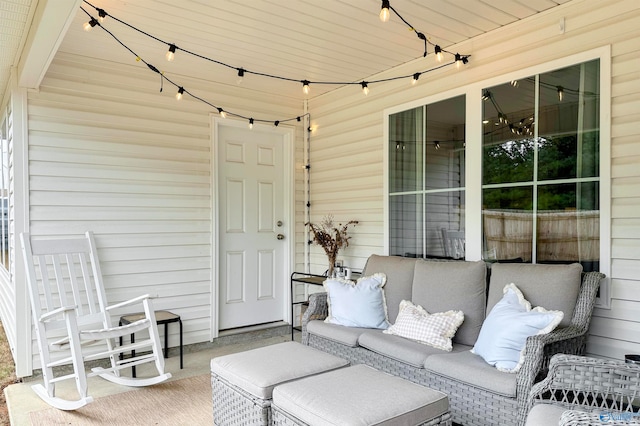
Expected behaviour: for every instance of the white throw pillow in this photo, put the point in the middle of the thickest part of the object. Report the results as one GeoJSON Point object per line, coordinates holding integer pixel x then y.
{"type": "Point", "coordinates": [505, 330]}
{"type": "Point", "coordinates": [360, 304]}
{"type": "Point", "coordinates": [436, 330]}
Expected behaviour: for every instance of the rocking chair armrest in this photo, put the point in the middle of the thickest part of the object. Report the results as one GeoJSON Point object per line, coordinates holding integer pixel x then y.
{"type": "Point", "coordinates": [55, 312]}
{"type": "Point", "coordinates": [133, 301]}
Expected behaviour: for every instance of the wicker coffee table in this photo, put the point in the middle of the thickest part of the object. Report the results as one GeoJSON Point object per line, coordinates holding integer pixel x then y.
{"type": "Point", "coordinates": [243, 383]}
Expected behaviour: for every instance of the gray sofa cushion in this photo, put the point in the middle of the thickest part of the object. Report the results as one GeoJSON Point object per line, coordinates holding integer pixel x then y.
{"type": "Point", "coordinates": [469, 368]}
{"type": "Point", "coordinates": [545, 415]}
{"type": "Point", "coordinates": [459, 286]}
{"type": "Point", "coordinates": [338, 333]}
{"type": "Point", "coordinates": [401, 349]}
{"type": "Point", "coordinates": [359, 395]}
{"type": "Point", "coordinates": [258, 371]}
{"type": "Point", "coordinates": [554, 287]}
{"type": "Point", "coordinates": [399, 272]}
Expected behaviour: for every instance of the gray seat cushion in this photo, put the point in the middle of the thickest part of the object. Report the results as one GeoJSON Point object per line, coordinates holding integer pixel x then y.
{"type": "Point", "coordinates": [399, 272]}
{"type": "Point", "coordinates": [338, 333]}
{"type": "Point", "coordinates": [470, 368]}
{"type": "Point", "coordinates": [359, 395]}
{"type": "Point", "coordinates": [554, 287]}
{"type": "Point", "coordinates": [458, 286]}
{"type": "Point", "coordinates": [401, 349]}
{"type": "Point", "coordinates": [258, 371]}
{"type": "Point", "coordinates": [545, 415]}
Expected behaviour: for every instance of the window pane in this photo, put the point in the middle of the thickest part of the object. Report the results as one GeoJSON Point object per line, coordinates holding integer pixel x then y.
{"type": "Point", "coordinates": [508, 112]}
{"type": "Point", "coordinates": [569, 122]}
{"type": "Point", "coordinates": [568, 223]}
{"type": "Point", "coordinates": [405, 225]}
{"type": "Point", "coordinates": [508, 223]}
{"type": "Point", "coordinates": [406, 151]}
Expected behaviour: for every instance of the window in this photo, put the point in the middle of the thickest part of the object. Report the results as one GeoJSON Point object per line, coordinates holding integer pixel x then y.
{"type": "Point", "coordinates": [539, 173]}
{"type": "Point", "coordinates": [540, 167]}
{"type": "Point", "coordinates": [426, 180]}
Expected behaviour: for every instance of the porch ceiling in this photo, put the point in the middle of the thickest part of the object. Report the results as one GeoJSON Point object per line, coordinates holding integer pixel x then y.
{"type": "Point", "coordinates": [328, 40]}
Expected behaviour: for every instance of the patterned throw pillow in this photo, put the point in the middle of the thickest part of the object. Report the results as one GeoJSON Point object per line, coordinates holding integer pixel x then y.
{"type": "Point", "coordinates": [360, 304]}
{"type": "Point", "coordinates": [436, 330]}
{"type": "Point", "coordinates": [504, 332]}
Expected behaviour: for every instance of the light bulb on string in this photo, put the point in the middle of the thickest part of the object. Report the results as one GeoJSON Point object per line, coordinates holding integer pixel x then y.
{"type": "Point", "coordinates": [305, 87]}
{"type": "Point", "coordinates": [438, 51]}
{"type": "Point", "coordinates": [560, 93]}
{"type": "Point", "coordinates": [251, 123]}
{"type": "Point", "coordinates": [384, 11]}
{"type": "Point", "coordinates": [171, 53]}
{"type": "Point", "coordinates": [240, 75]}
{"type": "Point", "coordinates": [222, 113]}
{"type": "Point", "coordinates": [180, 92]}
{"type": "Point", "coordinates": [365, 88]}
{"type": "Point", "coordinates": [102, 15]}
{"type": "Point", "coordinates": [276, 123]}
{"type": "Point", "coordinates": [415, 78]}
{"type": "Point", "coordinates": [458, 61]}
{"type": "Point", "coordinates": [89, 25]}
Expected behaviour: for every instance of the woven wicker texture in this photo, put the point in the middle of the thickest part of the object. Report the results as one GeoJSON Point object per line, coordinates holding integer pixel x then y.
{"type": "Point", "coordinates": [234, 406]}
{"type": "Point", "coordinates": [580, 418]}
{"type": "Point", "coordinates": [593, 388]}
{"type": "Point", "coordinates": [281, 418]}
{"type": "Point", "coordinates": [473, 405]}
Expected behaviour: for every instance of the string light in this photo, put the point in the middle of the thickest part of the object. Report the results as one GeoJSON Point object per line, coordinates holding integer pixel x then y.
{"type": "Point", "coordinates": [180, 92]}
{"type": "Point", "coordinates": [384, 11]}
{"type": "Point", "coordinates": [241, 71]}
{"type": "Point", "coordinates": [305, 87]}
{"type": "Point", "coordinates": [365, 88]}
{"type": "Point", "coordinates": [276, 123]}
{"type": "Point", "coordinates": [415, 78]}
{"type": "Point", "coordinates": [486, 95]}
{"type": "Point", "coordinates": [102, 14]}
{"type": "Point", "coordinates": [89, 25]}
{"type": "Point", "coordinates": [251, 123]}
{"type": "Point", "coordinates": [171, 53]}
{"type": "Point", "coordinates": [438, 52]}
{"type": "Point", "coordinates": [560, 93]}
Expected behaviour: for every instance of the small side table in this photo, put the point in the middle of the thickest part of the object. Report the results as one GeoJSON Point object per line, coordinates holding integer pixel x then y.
{"type": "Point", "coordinates": [162, 317]}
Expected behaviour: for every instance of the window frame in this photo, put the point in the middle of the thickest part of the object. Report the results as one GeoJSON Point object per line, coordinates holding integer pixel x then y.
{"type": "Point", "coordinates": [473, 170]}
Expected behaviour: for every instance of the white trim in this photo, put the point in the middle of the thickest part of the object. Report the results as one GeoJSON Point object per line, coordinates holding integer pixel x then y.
{"type": "Point", "coordinates": [288, 139]}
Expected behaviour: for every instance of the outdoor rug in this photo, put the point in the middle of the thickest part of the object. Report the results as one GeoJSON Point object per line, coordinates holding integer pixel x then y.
{"type": "Point", "coordinates": [181, 402]}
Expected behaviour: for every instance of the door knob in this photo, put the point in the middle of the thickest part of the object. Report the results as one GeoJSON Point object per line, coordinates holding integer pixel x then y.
{"type": "Point", "coordinates": [280, 237]}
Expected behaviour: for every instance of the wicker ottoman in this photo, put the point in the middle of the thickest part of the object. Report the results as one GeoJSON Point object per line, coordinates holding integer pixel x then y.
{"type": "Point", "coordinates": [243, 383]}
{"type": "Point", "coordinates": [358, 395]}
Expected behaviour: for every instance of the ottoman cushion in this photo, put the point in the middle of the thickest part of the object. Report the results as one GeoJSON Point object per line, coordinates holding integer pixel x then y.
{"type": "Point", "coordinates": [257, 371]}
{"type": "Point", "coordinates": [359, 395]}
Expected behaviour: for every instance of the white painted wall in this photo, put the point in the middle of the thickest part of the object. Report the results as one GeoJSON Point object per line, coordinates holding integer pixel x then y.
{"type": "Point", "coordinates": [347, 150]}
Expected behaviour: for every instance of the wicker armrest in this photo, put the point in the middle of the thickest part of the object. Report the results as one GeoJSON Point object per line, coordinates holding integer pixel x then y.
{"type": "Point", "coordinates": [318, 310]}
{"type": "Point", "coordinates": [586, 383]}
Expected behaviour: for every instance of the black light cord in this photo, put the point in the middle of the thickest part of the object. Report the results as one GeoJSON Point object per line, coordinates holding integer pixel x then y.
{"type": "Point", "coordinates": [420, 35]}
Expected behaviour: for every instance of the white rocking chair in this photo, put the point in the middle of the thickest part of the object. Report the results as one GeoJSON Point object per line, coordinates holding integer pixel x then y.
{"type": "Point", "coordinates": [70, 311]}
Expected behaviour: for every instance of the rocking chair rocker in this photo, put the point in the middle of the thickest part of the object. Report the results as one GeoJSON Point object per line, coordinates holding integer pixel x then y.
{"type": "Point", "coordinates": [70, 311]}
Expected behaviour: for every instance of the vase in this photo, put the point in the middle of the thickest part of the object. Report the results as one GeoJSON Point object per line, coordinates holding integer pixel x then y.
{"type": "Point", "coordinates": [332, 263]}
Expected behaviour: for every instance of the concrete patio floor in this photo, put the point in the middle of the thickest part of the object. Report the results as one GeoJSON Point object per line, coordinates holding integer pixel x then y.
{"type": "Point", "coordinates": [22, 400]}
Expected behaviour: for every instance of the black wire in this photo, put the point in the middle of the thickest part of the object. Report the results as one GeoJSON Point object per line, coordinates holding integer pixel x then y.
{"type": "Point", "coordinates": [278, 77]}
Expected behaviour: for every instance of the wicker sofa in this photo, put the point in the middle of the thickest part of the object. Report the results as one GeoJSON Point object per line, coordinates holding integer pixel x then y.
{"type": "Point", "coordinates": [479, 394]}
{"type": "Point", "coordinates": [582, 390]}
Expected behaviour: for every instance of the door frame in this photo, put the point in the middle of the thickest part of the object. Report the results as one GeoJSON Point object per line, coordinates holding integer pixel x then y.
{"type": "Point", "coordinates": [288, 142]}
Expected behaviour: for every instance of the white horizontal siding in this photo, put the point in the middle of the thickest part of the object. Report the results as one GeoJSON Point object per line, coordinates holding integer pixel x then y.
{"type": "Point", "coordinates": [347, 148]}
{"type": "Point", "coordinates": [109, 153]}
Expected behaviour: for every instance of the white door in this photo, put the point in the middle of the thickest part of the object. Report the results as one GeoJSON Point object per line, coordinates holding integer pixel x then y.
{"type": "Point", "coordinates": [252, 240]}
